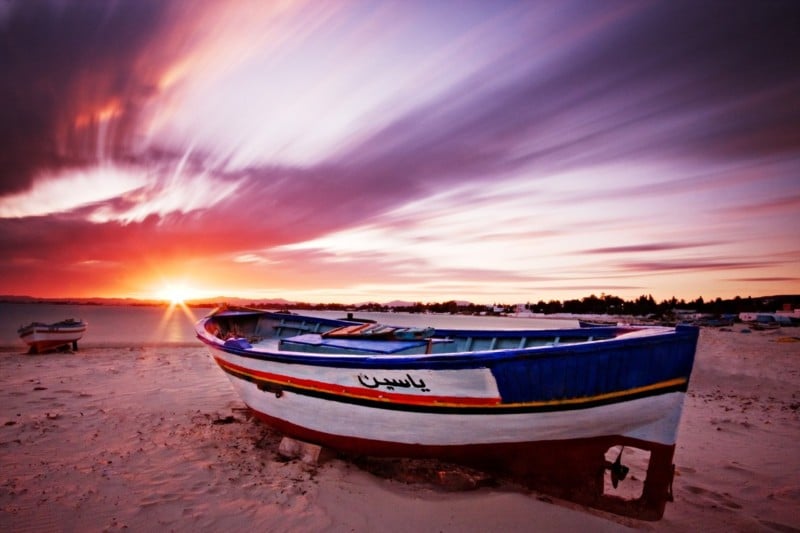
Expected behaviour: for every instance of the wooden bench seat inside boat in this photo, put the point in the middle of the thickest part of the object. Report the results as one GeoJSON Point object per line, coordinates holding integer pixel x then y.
{"type": "Point", "coordinates": [311, 342]}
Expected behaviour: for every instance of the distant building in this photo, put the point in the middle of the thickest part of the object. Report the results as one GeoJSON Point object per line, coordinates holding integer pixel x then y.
{"type": "Point", "coordinates": [784, 318]}
{"type": "Point", "coordinates": [686, 314]}
{"type": "Point", "coordinates": [788, 311]}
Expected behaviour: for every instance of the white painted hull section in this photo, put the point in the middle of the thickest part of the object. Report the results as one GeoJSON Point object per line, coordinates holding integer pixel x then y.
{"type": "Point", "coordinates": [652, 419]}
{"type": "Point", "coordinates": [474, 383]}
{"type": "Point", "coordinates": [48, 337]}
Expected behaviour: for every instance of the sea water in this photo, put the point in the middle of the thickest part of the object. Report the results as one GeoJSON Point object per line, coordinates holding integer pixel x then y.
{"type": "Point", "coordinates": [108, 325]}
{"type": "Point", "coordinates": [124, 325]}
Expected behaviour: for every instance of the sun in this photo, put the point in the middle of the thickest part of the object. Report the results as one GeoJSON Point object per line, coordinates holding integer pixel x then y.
{"type": "Point", "coordinates": [174, 293]}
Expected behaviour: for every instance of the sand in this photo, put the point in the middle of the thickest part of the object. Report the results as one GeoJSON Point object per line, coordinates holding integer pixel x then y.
{"type": "Point", "coordinates": [153, 438]}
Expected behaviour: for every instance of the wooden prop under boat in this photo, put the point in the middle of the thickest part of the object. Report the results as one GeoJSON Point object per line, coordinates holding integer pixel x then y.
{"type": "Point", "coordinates": [548, 408]}
{"type": "Point", "coordinates": [41, 337]}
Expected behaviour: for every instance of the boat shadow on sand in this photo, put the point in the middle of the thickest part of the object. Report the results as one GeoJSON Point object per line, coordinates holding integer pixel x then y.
{"type": "Point", "coordinates": [440, 475]}
{"type": "Point", "coordinates": [268, 446]}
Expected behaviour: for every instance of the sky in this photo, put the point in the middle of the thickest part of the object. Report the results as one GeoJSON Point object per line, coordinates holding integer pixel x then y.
{"type": "Point", "coordinates": [352, 151]}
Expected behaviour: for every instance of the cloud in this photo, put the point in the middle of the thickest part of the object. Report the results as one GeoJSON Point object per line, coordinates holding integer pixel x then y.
{"type": "Point", "coordinates": [72, 82]}
{"type": "Point", "coordinates": [784, 204]}
{"type": "Point", "coordinates": [501, 143]}
{"type": "Point", "coordinates": [608, 88]}
{"type": "Point", "coordinates": [615, 91]}
{"type": "Point", "coordinates": [652, 247]}
{"type": "Point", "coordinates": [70, 190]}
{"type": "Point", "coordinates": [767, 279]}
{"type": "Point", "coordinates": [165, 197]}
{"type": "Point", "coordinates": [696, 265]}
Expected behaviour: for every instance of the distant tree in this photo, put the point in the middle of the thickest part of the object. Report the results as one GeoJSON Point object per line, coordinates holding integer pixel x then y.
{"type": "Point", "coordinates": [699, 304]}
{"type": "Point", "coordinates": [573, 306]}
{"type": "Point", "coordinates": [591, 304]}
{"type": "Point", "coordinates": [613, 305]}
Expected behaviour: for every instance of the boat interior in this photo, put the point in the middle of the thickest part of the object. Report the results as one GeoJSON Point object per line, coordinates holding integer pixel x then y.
{"type": "Point", "coordinates": [295, 333]}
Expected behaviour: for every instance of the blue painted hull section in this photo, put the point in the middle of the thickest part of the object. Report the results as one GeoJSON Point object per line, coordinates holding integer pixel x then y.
{"type": "Point", "coordinates": [590, 370]}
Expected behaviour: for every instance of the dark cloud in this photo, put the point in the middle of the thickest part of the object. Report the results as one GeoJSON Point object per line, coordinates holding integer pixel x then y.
{"type": "Point", "coordinates": [62, 64]}
{"type": "Point", "coordinates": [588, 288]}
{"type": "Point", "coordinates": [767, 279]}
{"type": "Point", "coordinates": [695, 265]}
{"type": "Point", "coordinates": [608, 86]}
{"type": "Point", "coordinates": [789, 203]}
{"type": "Point", "coordinates": [653, 247]}
{"type": "Point", "coordinates": [708, 80]}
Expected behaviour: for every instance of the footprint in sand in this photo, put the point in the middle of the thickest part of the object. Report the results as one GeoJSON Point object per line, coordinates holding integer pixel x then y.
{"type": "Point", "coordinates": [695, 490]}
{"type": "Point", "coordinates": [736, 467]}
{"type": "Point", "coordinates": [788, 494]}
{"type": "Point", "coordinates": [780, 528]}
{"type": "Point", "coordinates": [720, 499]}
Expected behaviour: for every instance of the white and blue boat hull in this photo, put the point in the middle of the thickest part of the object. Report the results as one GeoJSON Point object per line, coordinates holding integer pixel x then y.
{"type": "Point", "coordinates": [544, 411]}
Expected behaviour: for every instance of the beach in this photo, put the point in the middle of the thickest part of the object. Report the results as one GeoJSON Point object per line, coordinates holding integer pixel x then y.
{"type": "Point", "coordinates": [152, 436]}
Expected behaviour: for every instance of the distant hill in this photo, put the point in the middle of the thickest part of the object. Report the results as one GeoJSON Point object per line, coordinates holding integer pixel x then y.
{"type": "Point", "coordinates": [280, 302]}
{"type": "Point", "coordinates": [399, 303]}
{"type": "Point", "coordinates": [10, 298]}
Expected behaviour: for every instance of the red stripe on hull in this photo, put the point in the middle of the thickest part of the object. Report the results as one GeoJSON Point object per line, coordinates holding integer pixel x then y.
{"type": "Point", "coordinates": [573, 469]}
{"type": "Point", "coordinates": [44, 346]}
{"type": "Point", "coordinates": [357, 392]}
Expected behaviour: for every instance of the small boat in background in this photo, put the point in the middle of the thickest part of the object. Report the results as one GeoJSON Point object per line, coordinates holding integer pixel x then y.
{"type": "Point", "coordinates": [549, 408]}
{"type": "Point", "coordinates": [768, 322]}
{"type": "Point", "coordinates": [595, 324]}
{"type": "Point", "coordinates": [41, 337]}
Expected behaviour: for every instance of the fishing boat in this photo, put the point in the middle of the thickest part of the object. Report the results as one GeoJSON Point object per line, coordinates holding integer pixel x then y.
{"type": "Point", "coordinates": [544, 407]}
{"type": "Point", "coordinates": [41, 337]}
